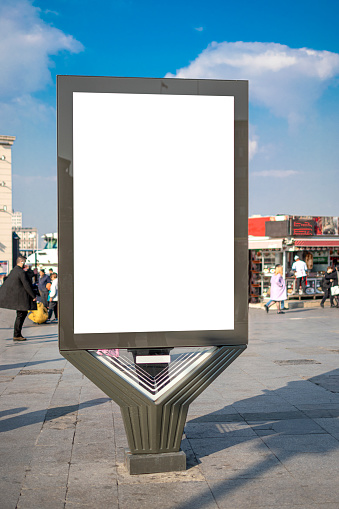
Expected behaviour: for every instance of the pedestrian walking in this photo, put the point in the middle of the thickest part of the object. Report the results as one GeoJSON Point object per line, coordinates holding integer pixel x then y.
{"type": "Point", "coordinates": [330, 279]}
{"type": "Point", "coordinates": [300, 269]}
{"type": "Point", "coordinates": [53, 298]}
{"type": "Point", "coordinates": [36, 276]}
{"type": "Point", "coordinates": [278, 290]}
{"type": "Point", "coordinates": [17, 293]}
{"type": "Point", "coordinates": [282, 304]}
{"type": "Point", "coordinates": [335, 287]}
{"type": "Point", "coordinates": [44, 279]}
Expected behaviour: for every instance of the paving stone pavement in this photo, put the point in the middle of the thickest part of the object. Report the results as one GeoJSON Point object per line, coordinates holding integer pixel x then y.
{"type": "Point", "coordinates": [265, 434]}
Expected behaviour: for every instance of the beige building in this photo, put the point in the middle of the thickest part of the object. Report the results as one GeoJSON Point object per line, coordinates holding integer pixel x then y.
{"type": "Point", "coordinates": [28, 242]}
{"type": "Point", "coordinates": [16, 220]}
{"type": "Point", "coordinates": [6, 143]}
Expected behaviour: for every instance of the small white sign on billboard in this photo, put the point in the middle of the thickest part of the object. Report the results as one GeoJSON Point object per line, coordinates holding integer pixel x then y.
{"type": "Point", "coordinates": [153, 202]}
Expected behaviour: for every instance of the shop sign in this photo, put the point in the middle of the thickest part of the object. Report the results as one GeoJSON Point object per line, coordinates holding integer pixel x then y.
{"type": "Point", "coordinates": [320, 259]}
{"type": "Point", "coordinates": [277, 228]}
{"type": "Point", "coordinates": [326, 225]}
{"type": "Point", "coordinates": [302, 227]}
{"type": "Point", "coordinates": [3, 268]}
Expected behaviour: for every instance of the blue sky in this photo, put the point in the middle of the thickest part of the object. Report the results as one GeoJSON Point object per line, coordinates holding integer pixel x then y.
{"type": "Point", "coordinates": [289, 51]}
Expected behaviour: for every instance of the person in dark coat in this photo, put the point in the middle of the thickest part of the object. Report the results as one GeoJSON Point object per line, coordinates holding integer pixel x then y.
{"type": "Point", "coordinates": [17, 293]}
{"type": "Point", "coordinates": [30, 274]}
{"type": "Point", "coordinates": [43, 280]}
{"type": "Point", "coordinates": [329, 280]}
{"type": "Point", "coordinates": [33, 278]}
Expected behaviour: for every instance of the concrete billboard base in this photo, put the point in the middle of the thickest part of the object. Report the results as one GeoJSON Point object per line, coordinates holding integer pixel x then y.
{"type": "Point", "coordinates": [137, 464]}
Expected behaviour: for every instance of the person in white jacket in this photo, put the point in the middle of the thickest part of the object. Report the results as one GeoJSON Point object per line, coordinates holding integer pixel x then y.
{"type": "Point", "coordinates": [53, 298]}
{"type": "Point", "coordinates": [300, 269]}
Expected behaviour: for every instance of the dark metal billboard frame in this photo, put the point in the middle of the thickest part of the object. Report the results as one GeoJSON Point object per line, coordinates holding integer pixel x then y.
{"type": "Point", "coordinates": [66, 86]}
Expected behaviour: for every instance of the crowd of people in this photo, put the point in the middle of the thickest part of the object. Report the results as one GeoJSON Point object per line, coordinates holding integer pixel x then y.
{"type": "Point", "coordinates": [278, 292]}
{"type": "Point", "coordinates": [24, 289]}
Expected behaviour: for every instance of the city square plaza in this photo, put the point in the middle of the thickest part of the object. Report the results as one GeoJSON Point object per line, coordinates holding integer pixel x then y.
{"type": "Point", "coordinates": [265, 434]}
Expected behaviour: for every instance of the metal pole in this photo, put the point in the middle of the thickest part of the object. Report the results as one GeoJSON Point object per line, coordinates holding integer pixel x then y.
{"type": "Point", "coordinates": [284, 264]}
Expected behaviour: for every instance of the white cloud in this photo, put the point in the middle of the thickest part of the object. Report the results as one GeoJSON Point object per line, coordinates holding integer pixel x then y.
{"type": "Point", "coordinates": [199, 29]}
{"type": "Point", "coordinates": [26, 44]}
{"type": "Point", "coordinates": [33, 179]}
{"type": "Point", "coordinates": [253, 146]}
{"type": "Point", "coordinates": [275, 173]}
{"type": "Point", "coordinates": [287, 81]}
{"type": "Point", "coordinates": [48, 11]}
{"type": "Point", "coordinates": [24, 110]}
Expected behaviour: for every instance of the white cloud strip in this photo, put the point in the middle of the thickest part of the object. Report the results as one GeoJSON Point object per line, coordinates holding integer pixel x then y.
{"type": "Point", "coordinates": [274, 173]}
{"type": "Point", "coordinates": [285, 80]}
{"type": "Point", "coordinates": [33, 179]}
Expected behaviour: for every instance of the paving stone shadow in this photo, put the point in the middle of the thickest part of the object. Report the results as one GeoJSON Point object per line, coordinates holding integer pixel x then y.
{"type": "Point", "coordinates": [328, 381]}
{"type": "Point", "coordinates": [275, 432]}
{"type": "Point", "coordinates": [298, 310]}
{"type": "Point", "coordinates": [3, 367]}
{"type": "Point", "coordinates": [51, 338]}
{"type": "Point", "coordinates": [40, 336]}
{"type": "Point", "coordinates": [12, 411]}
{"type": "Point", "coordinates": [41, 416]}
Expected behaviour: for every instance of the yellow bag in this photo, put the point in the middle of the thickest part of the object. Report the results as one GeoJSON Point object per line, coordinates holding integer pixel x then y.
{"type": "Point", "coordinates": [39, 315]}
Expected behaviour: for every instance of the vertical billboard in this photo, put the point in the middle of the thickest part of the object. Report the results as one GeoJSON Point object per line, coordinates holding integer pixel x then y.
{"type": "Point", "coordinates": [152, 179]}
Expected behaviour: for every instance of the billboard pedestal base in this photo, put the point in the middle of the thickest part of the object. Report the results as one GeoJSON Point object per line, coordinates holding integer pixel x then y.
{"type": "Point", "coordinates": [154, 420]}
{"type": "Point", "coordinates": [137, 464]}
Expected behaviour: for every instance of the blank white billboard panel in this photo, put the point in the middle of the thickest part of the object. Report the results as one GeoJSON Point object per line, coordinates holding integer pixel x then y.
{"type": "Point", "coordinates": [153, 212]}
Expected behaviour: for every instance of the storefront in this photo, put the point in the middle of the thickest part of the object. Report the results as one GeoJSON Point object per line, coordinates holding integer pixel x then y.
{"type": "Point", "coordinates": [264, 255]}
{"type": "Point", "coordinates": [309, 242]}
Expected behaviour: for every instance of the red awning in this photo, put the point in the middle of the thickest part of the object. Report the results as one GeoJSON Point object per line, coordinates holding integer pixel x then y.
{"type": "Point", "coordinates": [317, 242]}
